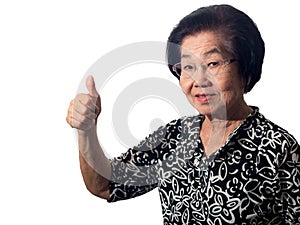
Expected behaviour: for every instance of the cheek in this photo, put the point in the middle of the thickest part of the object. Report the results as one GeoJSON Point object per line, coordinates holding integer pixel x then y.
{"type": "Point", "coordinates": [232, 90]}
{"type": "Point", "coordinates": [227, 87]}
{"type": "Point", "coordinates": [232, 82]}
{"type": "Point", "coordinates": [186, 86]}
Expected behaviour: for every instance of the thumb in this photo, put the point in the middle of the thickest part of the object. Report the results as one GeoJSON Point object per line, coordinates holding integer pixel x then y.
{"type": "Point", "coordinates": [90, 84]}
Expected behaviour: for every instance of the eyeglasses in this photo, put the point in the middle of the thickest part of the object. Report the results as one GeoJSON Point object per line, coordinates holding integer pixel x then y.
{"type": "Point", "coordinates": [210, 66]}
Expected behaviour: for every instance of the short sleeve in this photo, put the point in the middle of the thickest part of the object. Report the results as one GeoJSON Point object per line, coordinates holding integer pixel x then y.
{"type": "Point", "coordinates": [289, 175]}
{"type": "Point", "coordinates": [135, 172]}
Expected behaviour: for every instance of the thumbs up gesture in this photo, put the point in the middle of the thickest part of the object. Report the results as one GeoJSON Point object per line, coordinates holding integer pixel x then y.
{"type": "Point", "coordinates": [85, 108]}
{"type": "Point", "coordinates": [90, 84]}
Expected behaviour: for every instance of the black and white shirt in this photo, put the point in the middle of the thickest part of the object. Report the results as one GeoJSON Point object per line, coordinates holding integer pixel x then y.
{"type": "Point", "coordinates": [254, 178]}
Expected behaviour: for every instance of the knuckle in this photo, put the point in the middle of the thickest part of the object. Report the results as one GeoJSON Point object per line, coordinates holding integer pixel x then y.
{"type": "Point", "coordinates": [79, 95]}
{"type": "Point", "coordinates": [70, 109]}
{"type": "Point", "coordinates": [80, 98]}
{"type": "Point", "coordinates": [70, 121]}
{"type": "Point", "coordinates": [85, 111]}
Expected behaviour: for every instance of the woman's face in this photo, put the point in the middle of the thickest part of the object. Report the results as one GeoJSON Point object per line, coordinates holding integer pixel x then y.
{"type": "Point", "coordinates": [213, 95]}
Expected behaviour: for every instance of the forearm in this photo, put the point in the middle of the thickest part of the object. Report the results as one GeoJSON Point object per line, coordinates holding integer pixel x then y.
{"type": "Point", "coordinates": [95, 166]}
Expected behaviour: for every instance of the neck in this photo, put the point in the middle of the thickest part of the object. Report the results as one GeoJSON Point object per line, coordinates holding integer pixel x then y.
{"type": "Point", "coordinates": [228, 116]}
{"type": "Point", "coordinates": [215, 130]}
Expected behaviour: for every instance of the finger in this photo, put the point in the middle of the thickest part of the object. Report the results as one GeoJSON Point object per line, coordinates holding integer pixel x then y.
{"type": "Point", "coordinates": [85, 101]}
{"type": "Point", "coordinates": [78, 115]}
{"type": "Point", "coordinates": [78, 121]}
{"type": "Point", "coordinates": [90, 84]}
{"type": "Point", "coordinates": [70, 112]}
{"type": "Point", "coordinates": [89, 104]}
{"type": "Point", "coordinates": [81, 118]}
{"type": "Point", "coordinates": [85, 111]}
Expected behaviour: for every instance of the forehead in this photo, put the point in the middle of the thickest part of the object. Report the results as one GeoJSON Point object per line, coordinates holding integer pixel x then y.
{"type": "Point", "coordinates": [201, 45]}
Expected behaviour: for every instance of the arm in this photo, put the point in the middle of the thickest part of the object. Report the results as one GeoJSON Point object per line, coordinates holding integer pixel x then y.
{"type": "Point", "coordinates": [132, 174]}
{"type": "Point", "coordinates": [95, 167]}
{"type": "Point", "coordinates": [82, 115]}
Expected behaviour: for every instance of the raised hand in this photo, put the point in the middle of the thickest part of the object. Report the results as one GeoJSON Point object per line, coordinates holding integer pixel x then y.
{"type": "Point", "coordinates": [84, 109]}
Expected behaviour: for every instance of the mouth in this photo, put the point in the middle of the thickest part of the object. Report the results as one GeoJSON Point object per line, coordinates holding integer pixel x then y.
{"type": "Point", "coordinates": [204, 98]}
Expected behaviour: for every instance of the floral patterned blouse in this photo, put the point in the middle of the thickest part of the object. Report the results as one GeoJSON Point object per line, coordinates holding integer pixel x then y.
{"type": "Point", "coordinates": [254, 178]}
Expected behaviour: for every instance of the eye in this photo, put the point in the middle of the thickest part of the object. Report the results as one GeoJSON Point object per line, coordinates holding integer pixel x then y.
{"type": "Point", "coordinates": [188, 67]}
{"type": "Point", "coordinates": [214, 63]}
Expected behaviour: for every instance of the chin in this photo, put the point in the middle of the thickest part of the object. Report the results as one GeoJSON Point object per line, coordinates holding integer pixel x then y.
{"type": "Point", "coordinates": [211, 111]}
{"type": "Point", "coordinates": [204, 109]}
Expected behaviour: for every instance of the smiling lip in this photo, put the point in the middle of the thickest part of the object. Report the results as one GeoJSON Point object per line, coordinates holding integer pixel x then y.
{"type": "Point", "coordinates": [203, 98]}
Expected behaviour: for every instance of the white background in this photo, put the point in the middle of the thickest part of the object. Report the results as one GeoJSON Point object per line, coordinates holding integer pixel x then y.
{"type": "Point", "coordinates": [45, 49]}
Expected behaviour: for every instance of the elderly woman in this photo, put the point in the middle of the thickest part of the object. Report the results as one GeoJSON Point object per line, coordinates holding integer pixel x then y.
{"type": "Point", "coordinates": [227, 165]}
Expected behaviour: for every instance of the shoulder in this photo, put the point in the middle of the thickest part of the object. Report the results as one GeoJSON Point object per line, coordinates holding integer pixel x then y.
{"type": "Point", "coordinates": [274, 131]}
{"type": "Point", "coordinates": [185, 125]}
{"type": "Point", "coordinates": [182, 123]}
{"type": "Point", "coordinates": [173, 130]}
{"type": "Point", "coordinates": [272, 136]}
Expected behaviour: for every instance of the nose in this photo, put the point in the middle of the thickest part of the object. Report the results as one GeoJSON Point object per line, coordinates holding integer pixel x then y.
{"type": "Point", "coordinates": [201, 79]}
